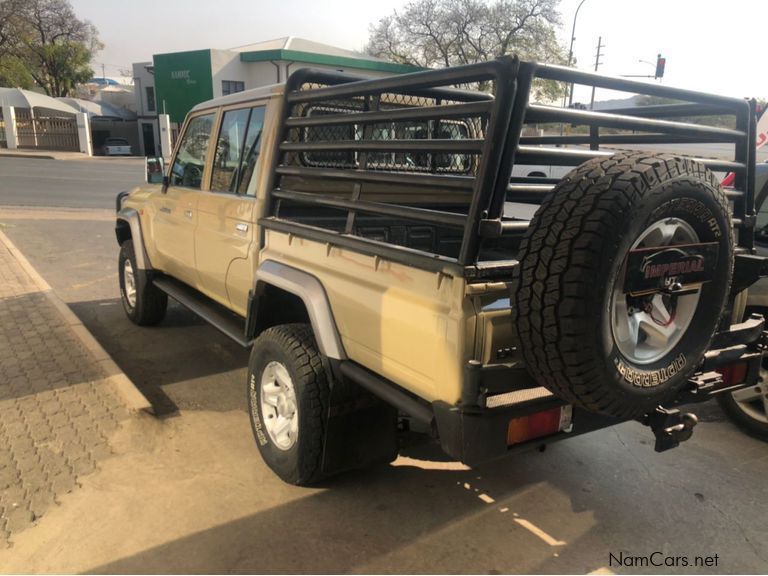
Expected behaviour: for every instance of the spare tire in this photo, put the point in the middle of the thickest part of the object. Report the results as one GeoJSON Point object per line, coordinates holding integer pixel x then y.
{"type": "Point", "coordinates": [584, 333]}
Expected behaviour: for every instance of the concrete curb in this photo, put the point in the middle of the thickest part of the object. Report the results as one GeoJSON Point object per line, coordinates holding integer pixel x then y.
{"type": "Point", "coordinates": [64, 156]}
{"type": "Point", "coordinates": [124, 386]}
{"type": "Point", "coordinates": [38, 156]}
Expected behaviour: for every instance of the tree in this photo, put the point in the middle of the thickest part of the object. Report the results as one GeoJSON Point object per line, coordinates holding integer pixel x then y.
{"type": "Point", "coordinates": [436, 33]}
{"type": "Point", "coordinates": [49, 42]}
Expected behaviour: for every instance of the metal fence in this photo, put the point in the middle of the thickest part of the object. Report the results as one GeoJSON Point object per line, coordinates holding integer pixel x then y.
{"type": "Point", "coordinates": [47, 133]}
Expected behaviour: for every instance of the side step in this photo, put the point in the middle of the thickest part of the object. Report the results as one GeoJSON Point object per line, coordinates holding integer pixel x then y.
{"type": "Point", "coordinates": [215, 314]}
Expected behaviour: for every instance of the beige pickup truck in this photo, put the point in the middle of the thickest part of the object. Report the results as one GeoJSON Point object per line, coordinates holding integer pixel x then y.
{"type": "Point", "coordinates": [370, 242]}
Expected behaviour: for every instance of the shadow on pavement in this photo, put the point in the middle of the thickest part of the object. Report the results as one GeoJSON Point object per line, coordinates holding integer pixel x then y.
{"type": "Point", "coordinates": [562, 511]}
{"type": "Point", "coordinates": [168, 362]}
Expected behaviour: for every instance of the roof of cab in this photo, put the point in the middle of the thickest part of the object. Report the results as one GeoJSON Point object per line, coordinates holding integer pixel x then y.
{"type": "Point", "coordinates": [244, 96]}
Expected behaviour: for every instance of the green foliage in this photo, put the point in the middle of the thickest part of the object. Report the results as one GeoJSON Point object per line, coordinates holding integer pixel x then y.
{"type": "Point", "coordinates": [437, 33]}
{"type": "Point", "coordinates": [43, 41]}
{"type": "Point", "coordinates": [14, 74]}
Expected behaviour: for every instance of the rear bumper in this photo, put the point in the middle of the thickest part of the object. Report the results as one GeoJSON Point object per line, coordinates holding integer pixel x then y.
{"type": "Point", "coordinates": [474, 432]}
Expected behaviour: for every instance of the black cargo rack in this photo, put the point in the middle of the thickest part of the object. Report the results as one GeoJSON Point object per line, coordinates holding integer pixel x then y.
{"type": "Point", "coordinates": [439, 160]}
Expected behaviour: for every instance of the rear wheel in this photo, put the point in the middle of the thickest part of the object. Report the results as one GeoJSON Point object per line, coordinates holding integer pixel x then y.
{"type": "Point", "coordinates": [748, 407]}
{"type": "Point", "coordinates": [288, 395]}
{"type": "Point", "coordinates": [584, 333]}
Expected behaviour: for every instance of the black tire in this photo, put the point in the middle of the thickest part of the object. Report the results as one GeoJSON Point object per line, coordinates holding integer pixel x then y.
{"type": "Point", "coordinates": [151, 303]}
{"type": "Point", "coordinates": [293, 346]}
{"type": "Point", "coordinates": [570, 261]}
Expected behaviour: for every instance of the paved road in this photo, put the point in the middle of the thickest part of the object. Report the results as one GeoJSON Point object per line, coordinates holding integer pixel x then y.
{"type": "Point", "coordinates": [72, 184]}
{"type": "Point", "coordinates": [191, 493]}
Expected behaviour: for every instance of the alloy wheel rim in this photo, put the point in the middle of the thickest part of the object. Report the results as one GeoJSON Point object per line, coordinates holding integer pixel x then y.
{"type": "Point", "coordinates": [277, 400]}
{"type": "Point", "coordinates": [753, 400]}
{"type": "Point", "coordinates": [646, 329]}
{"type": "Point", "coordinates": [130, 283]}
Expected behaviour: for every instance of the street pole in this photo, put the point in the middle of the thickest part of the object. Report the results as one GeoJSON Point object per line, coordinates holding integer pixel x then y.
{"type": "Point", "coordinates": [600, 46]}
{"type": "Point", "coordinates": [569, 90]}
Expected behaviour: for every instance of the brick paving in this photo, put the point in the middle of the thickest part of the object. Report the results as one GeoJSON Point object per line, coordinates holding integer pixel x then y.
{"type": "Point", "coordinates": [57, 409]}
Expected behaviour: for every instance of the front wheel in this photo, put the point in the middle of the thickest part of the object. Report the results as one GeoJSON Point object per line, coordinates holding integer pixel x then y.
{"type": "Point", "coordinates": [143, 302]}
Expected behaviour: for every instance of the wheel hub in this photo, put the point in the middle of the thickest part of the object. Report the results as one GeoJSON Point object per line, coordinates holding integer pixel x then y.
{"type": "Point", "coordinates": [278, 405]}
{"type": "Point", "coordinates": [129, 279]}
{"type": "Point", "coordinates": [647, 328]}
{"type": "Point", "coordinates": [753, 400]}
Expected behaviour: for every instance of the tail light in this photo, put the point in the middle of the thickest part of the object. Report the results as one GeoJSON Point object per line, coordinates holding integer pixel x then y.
{"type": "Point", "coordinates": [539, 424]}
{"type": "Point", "coordinates": [733, 374]}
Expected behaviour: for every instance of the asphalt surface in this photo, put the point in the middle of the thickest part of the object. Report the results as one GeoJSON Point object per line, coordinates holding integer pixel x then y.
{"type": "Point", "coordinates": [577, 507]}
{"type": "Point", "coordinates": [72, 184]}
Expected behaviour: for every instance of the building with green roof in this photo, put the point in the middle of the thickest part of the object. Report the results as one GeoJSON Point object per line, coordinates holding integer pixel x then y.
{"type": "Point", "coordinates": [184, 79]}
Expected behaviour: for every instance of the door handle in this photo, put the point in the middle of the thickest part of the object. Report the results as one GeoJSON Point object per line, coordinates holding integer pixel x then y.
{"type": "Point", "coordinates": [241, 227]}
{"type": "Point", "coordinates": [188, 213]}
{"type": "Point", "coordinates": [165, 209]}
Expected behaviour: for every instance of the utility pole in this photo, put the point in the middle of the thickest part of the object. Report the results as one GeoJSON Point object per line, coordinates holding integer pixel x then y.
{"type": "Point", "coordinates": [103, 74]}
{"type": "Point", "coordinates": [569, 88]}
{"type": "Point", "coordinates": [598, 54]}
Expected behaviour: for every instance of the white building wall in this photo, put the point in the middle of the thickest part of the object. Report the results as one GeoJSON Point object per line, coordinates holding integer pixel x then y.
{"type": "Point", "coordinates": [263, 74]}
{"type": "Point", "coordinates": [226, 65]}
{"type": "Point", "coordinates": [142, 78]}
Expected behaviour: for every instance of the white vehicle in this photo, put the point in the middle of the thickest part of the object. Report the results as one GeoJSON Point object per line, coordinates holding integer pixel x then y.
{"type": "Point", "coordinates": [116, 147]}
{"type": "Point", "coordinates": [748, 408]}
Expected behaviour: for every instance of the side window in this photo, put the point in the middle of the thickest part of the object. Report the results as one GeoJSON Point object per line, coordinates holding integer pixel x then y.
{"type": "Point", "coordinates": [150, 98]}
{"type": "Point", "coordinates": [251, 149]}
{"type": "Point", "coordinates": [237, 150]}
{"type": "Point", "coordinates": [231, 87]}
{"type": "Point", "coordinates": [229, 147]}
{"type": "Point", "coordinates": [189, 164]}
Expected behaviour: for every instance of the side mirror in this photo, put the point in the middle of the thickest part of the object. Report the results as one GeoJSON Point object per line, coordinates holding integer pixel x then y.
{"type": "Point", "coordinates": [155, 170]}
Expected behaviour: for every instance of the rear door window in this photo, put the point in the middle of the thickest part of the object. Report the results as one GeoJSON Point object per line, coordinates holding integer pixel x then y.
{"type": "Point", "coordinates": [237, 150]}
{"type": "Point", "coordinates": [251, 149]}
{"type": "Point", "coordinates": [229, 147]}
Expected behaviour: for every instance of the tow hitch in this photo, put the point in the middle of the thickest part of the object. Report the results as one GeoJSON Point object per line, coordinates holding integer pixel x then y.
{"type": "Point", "coordinates": [670, 427]}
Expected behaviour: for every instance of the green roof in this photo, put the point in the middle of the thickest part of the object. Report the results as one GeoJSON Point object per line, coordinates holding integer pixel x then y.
{"type": "Point", "coordinates": [327, 60]}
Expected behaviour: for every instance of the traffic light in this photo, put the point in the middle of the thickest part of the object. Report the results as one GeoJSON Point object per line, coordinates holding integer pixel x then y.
{"type": "Point", "coordinates": [660, 63]}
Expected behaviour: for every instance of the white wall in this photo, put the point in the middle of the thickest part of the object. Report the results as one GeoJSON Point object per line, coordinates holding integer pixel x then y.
{"type": "Point", "coordinates": [262, 74]}
{"type": "Point", "coordinates": [141, 79]}
{"type": "Point", "coordinates": [226, 65]}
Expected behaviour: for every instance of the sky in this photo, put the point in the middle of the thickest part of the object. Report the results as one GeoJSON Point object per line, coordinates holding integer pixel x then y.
{"type": "Point", "coordinates": [710, 46]}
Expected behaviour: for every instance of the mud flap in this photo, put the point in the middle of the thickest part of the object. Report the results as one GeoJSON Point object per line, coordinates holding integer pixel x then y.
{"type": "Point", "coordinates": [361, 430]}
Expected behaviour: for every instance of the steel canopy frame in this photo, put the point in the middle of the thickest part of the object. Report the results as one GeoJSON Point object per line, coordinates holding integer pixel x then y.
{"type": "Point", "coordinates": [354, 107]}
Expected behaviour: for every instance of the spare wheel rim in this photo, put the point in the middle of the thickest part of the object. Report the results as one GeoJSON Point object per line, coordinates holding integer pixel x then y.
{"type": "Point", "coordinates": [646, 329]}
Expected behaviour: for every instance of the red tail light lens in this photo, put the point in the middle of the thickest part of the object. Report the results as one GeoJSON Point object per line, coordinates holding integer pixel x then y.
{"type": "Point", "coordinates": [733, 374]}
{"type": "Point", "coordinates": [539, 424]}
